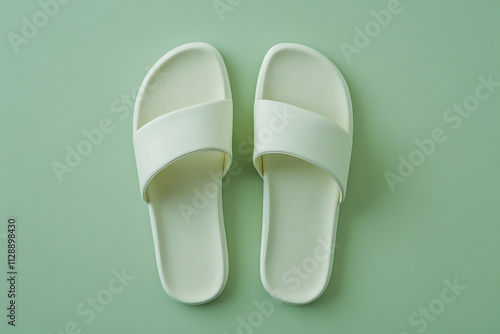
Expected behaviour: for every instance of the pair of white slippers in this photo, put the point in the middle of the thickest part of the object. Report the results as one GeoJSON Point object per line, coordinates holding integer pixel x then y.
{"type": "Point", "coordinates": [303, 139]}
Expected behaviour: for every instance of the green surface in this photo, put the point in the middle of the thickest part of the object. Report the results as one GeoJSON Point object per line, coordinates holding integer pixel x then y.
{"type": "Point", "coordinates": [396, 248]}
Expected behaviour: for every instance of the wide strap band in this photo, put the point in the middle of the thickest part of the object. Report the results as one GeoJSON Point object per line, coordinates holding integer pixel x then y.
{"type": "Point", "coordinates": [287, 129]}
{"type": "Point", "coordinates": [165, 139]}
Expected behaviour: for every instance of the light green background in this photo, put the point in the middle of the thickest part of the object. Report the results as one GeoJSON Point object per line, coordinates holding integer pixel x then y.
{"type": "Point", "coordinates": [395, 248]}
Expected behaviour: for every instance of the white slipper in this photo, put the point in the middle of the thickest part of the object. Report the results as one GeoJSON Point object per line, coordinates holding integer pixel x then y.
{"type": "Point", "coordinates": [182, 142]}
{"type": "Point", "coordinates": [303, 141]}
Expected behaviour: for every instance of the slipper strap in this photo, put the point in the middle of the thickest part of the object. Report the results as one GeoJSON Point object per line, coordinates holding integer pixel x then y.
{"type": "Point", "coordinates": [287, 129]}
{"type": "Point", "coordinates": [167, 138]}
